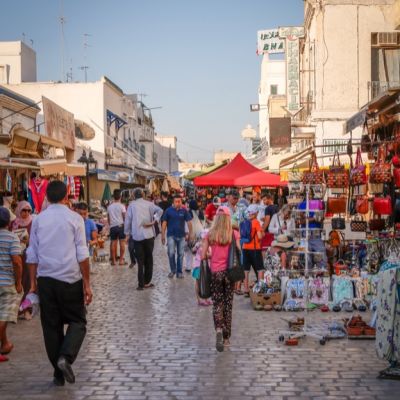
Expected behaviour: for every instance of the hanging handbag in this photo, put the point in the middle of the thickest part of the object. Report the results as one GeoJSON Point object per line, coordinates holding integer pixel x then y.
{"type": "Point", "coordinates": [336, 205]}
{"type": "Point", "coordinates": [338, 223]}
{"type": "Point", "coordinates": [382, 205]}
{"type": "Point", "coordinates": [295, 175]}
{"type": "Point", "coordinates": [366, 143]}
{"type": "Point", "coordinates": [205, 280]}
{"type": "Point", "coordinates": [381, 172]}
{"type": "Point", "coordinates": [315, 205]}
{"type": "Point", "coordinates": [362, 205]}
{"type": "Point", "coordinates": [235, 270]}
{"type": "Point", "coordinates": [314, 176]}
{"type": "Point", "coordinates": [337, 177]}
{"type": "Point", "coordinates": [396, 177]}
{"type": "Point", "coordinates": [358, 224]}
{"type": "Point", "coordinates": [358, 175]}
{"type": "Point", "coordinates": [377, 224]}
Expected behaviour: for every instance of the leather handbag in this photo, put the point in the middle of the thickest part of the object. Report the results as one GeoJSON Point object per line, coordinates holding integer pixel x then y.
{"type": "Point", "coordinates": [358, 224]}
{"type": "Point", "coordinates": [362, 205]}
{"type": "Point", "coordinates": [336, 205]}
{"type": "Point", "coordinates": [205, 280]}
{"type": "Point", "coordinates": [376, 224]}
{"type": "Point", "coordinates": [315, 205]}
{"type": "Point", "coordinates": [358, 175]}
{"type": "Point", "coordinates": [337, 177]}
{"type": "Point", "coordinates": [366, 142]}
{"type": "Point", "coordinates": [381, 172]}
{"type": "Point", "coordinates": [338, 223]}
{"type": "Point", "coordinates": [235, 270]}
{"type": "Point", "coordinates": [396, 177]}
{"type": "Point", "coordinates": [314, 176]}
{"type": "Point", "coordinates": [382, 205]}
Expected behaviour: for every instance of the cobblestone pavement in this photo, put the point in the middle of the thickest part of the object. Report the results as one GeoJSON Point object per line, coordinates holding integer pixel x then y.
{"type": "Point", "coordinates": [158, 344]}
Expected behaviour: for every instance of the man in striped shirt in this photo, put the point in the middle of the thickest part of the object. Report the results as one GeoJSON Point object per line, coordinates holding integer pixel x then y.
{"type": "Point", "coordinates": [10, 280]}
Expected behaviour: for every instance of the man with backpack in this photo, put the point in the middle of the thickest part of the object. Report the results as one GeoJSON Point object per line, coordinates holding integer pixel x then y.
{"type": "Point", "coordinates": [251, 233]}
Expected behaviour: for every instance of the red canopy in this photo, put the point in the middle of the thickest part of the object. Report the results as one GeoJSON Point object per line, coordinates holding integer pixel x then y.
{"type": "Point", "coordinates": [239, 172]}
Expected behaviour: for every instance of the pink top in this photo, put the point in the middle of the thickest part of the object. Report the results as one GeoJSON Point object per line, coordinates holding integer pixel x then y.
{"type": "Point", "coordinates": [219, 255]}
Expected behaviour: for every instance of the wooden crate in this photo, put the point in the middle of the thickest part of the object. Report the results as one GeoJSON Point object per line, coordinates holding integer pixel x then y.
{"type": "Point", "coordinates": [263, 299]}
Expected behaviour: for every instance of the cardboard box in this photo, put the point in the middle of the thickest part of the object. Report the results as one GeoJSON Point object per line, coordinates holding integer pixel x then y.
{"type": "Point", "coordinates": [264, 299]}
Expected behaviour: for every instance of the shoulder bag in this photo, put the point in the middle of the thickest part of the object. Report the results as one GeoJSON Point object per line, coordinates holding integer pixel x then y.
{"type": "Point", "coordinates": [381, 172]}
{"type": "Point", "coordinates": [314, 176]}
{"type": "Point", "coordinates": [235, 270]}
{"type": "Point", "coordinates": [337, 177]}
{"type": "Point", "coordinates": [205, 280]}
{"type": "Point", "coordinates": [358, 175]}
{"type": "Point", "coordinates": [336, 205]}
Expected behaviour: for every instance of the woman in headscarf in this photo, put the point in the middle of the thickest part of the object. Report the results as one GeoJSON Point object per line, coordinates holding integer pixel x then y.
{"type": "Point", "coordinates": [24, 216]}
{"type": "Point", "coordinates": [21, 223]}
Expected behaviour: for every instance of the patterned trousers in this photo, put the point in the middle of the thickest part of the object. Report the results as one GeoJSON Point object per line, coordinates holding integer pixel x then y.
{"type": "Point", "coordinates": [222, 297]}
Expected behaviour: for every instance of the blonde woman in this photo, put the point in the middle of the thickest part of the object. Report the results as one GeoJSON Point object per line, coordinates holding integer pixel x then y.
{"type": "Point", "coordinates": [219, 239]}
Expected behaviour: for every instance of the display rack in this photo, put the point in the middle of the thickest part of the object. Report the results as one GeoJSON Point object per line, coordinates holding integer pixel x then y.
{"type": "Point", "coordinates": [306, 330]}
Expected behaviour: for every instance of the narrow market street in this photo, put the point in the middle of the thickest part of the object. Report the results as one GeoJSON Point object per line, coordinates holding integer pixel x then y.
{"type": "Point", "coordinates": [158, 344]}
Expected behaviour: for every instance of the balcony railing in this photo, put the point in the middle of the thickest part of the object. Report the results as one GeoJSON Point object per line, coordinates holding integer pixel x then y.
{"type": "Point", "coordinates": [376, 88]}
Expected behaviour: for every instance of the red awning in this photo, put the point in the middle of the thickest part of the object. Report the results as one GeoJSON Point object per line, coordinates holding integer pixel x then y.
{"type": "Point", "coordinates": [239, 172]}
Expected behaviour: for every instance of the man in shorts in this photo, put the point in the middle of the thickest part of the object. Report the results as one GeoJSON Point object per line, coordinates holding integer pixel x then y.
{"type": "Point", "coordinates": [116, 218]}
{"type": "Point", "coordinates": [252, 254]}
{"type": "Point", "coordinates": [10, 280]}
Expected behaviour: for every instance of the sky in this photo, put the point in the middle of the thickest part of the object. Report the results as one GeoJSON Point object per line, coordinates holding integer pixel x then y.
{"type": "Point", "coordinates": [195, 59]}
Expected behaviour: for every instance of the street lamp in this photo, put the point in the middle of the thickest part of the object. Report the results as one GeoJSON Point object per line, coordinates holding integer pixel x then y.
{"type": "Point", "coordinates": [83, 159]}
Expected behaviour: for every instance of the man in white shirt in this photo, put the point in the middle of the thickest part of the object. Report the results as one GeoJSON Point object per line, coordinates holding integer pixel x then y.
{"type": "Point", "coordinates": [58, 260]}
{"type": "Point", "coordinates": [139, 225]}
{"type": "Point", "coordinates": [116, 216]}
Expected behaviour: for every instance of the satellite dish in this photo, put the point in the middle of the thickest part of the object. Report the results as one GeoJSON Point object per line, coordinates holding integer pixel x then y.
{"type": "Point", "coordinates": [248, 133]}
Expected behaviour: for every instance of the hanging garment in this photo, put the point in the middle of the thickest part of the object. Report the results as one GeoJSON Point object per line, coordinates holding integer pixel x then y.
{"type": "Point", "coordinates": [342, 289]}
{"type": "Point", "coordinates": [318, 290]}
{"type": "Point", "coordinates": [387, 342]}
{"type": "Point", "coordinates": [38, 187]}
{"type": "Point", "coordinates": [8, 182]}
{"type": "Point", "coordinates": [77, 184]}
{"type": "Point", "coordinates": [295, 293]}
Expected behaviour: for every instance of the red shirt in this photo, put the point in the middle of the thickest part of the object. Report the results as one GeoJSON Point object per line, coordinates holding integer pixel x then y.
{"type": "Point", "coordinates": [210, 211]}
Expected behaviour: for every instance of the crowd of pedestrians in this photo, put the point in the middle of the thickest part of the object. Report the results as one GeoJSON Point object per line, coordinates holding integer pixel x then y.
{"type": "Point", "coordinates": [52, 258]}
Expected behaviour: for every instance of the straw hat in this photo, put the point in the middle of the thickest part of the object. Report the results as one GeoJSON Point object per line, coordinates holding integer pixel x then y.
{"type": "Point", "coordinates": [282, 241]}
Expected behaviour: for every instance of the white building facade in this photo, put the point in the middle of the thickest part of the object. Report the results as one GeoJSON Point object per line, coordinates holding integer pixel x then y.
{"type": "Point", "coordinates": [165, 150]}
{"type": "Point", "coordinates": [272, 83]}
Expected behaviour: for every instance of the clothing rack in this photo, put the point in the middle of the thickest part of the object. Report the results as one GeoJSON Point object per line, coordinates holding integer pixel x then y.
{"type": "Point", "coordinates": [307, 330]}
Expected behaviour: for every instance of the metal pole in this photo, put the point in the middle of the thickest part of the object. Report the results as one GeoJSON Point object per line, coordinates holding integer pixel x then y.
{"type": "Point", "coordinates": [87, 184]}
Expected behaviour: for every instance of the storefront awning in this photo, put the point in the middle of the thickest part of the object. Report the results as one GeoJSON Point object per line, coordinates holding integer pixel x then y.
{"type": "Point", "coordinates": [51, 142]}
{"type": "Point", "coordinates": [355, 121]}
{"type": "Point", "coordinates": [5, 164]}
{"type": "Point", "coordinates": [75, 170]}
{"type": "Point", "coordinates": [147, 172]}
{"type": "Point", "coordinates": [24, 142]}
{"type": "Point", "coordinates": [52, 167]}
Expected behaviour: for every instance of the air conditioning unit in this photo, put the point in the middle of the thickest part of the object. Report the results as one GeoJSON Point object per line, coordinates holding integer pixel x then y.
{"type": "Point", "coordinates": [385, 39]}
{"type": "Point", "coordinates": [109, 151]}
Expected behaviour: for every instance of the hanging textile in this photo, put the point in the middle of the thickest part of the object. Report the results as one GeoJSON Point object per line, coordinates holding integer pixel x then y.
{"type": "Point", "coordinates": [8, 182]}
{"type": "Point", "coordinates": [318, 290]}
{"type": "Point", "coordinates": [387, 343]}
{"type": "Point", "coordinates": [38, 187]}
{"type": "Point", "coordinates": [77, 184]}
{"type": "Point", "coordinates": [342, 289]}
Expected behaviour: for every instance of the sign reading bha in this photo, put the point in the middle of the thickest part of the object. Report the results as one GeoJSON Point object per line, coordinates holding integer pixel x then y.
{"type": "Point", "coordinates": [59, 123]}
{"type": "Point", "coordinates": [268, 41]}
{"type": "Point", "coordinates": [292, 36]}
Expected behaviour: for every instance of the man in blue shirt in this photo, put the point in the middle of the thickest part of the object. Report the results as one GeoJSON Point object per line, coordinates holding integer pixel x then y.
{"type": "Point", "coordinates": [91, 231]}
{"type": "Point", "coordinates": [173, 223]}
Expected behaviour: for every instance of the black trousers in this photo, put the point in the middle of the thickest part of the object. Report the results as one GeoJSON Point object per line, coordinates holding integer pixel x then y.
{"type": "Point", "coordinates": [131, 249]}
{"type": "Point", "coordinates": [144, 258]}
{"type": "Point", "coordinates": [62, 304]}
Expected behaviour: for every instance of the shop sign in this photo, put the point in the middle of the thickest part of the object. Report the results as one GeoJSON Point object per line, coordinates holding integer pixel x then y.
{"type": "Point", "coordinates": [59, 123]}
{"type": "Point", "coordinates": [292, 36]}
{"type": "Point", "coordinates": [269, 42]}
{"type": "Point", "coordinates": [115, 176]}
{"type": "Point", "coordinates": [280, 133]}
